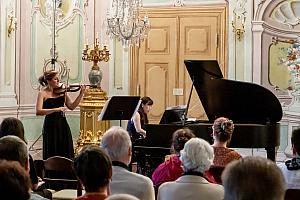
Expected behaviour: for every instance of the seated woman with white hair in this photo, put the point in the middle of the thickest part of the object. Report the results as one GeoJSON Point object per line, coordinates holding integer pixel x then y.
{"type": "Point", "coordinates": [196, 157]}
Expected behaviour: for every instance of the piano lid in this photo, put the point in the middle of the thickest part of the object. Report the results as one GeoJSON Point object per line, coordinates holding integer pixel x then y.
{"type": "Point", "coordinates": [241, 102]}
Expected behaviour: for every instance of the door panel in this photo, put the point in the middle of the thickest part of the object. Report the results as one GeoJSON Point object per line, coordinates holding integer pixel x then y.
{"type": "Point", "coordinates": [157, 66]}
{"type": "Point", "coordinates": [198, 41]}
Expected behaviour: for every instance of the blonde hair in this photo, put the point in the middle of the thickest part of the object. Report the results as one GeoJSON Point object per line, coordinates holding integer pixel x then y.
{"type": "Point", "coordinates": [47, 76]}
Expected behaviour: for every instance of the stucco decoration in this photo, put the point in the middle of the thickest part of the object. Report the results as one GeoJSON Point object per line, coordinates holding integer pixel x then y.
{"type": "Point", "coordinates": [239, 18]}
{"type": "Point", "coordinates": [287, 12]}
{"type": "Point", "coordinates": [261, 8]}
{"type": "Point", "coordinates": [178, 3]}
{"type": "Point", "coordinates": [66, 11]}
{"type": "Point", "coordinates": [181, 3]}
{"type": "Point", "coordinates": [70, 21]}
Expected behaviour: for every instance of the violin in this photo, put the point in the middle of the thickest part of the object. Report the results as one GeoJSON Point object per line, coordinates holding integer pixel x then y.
{"type": "Point", "coordinates": [69, 88]}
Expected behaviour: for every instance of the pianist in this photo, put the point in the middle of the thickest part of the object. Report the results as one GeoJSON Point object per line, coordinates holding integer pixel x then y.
{"type": "Point", "coordinates": [135, 126]}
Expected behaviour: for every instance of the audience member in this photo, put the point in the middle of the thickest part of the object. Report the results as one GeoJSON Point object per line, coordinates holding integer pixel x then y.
{"type": "Point", "coordinates": [93, 168]}
{"type": "Point", "coordinates": [222, 132]}
{"type": "Point", "coordinates": [13, 148]}
{"type": "Point", "coordinates": [121, 197]}
{"type": "Point", "coordinates": [117, 143]}
{"type": "Point", "coordinates": [253, 178]}
{"type": "Point", "coordinates": [196, 157]}
{"type": "Point", "coordinates": [13, 126]}
{"type": "Point", "coordinates": [171, 169]}
{"type": "Point", "coordinates": [14, 181]}
{"type": "Point", "coordinates": [291, 168]}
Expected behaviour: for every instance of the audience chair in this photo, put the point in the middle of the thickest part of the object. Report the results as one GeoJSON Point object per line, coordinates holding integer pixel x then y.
{"type": "Point", "coordinates": [292, 194]}
{"type": "Point", "coordinates": [216, 172]}
{"type": "Point", "coordinates": [59, 171]}
{"type": "Point", "coordinates": [39, 168]}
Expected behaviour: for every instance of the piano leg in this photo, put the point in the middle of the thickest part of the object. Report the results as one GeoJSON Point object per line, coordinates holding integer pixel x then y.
{"type": "Point", "coordinates": [271, 153]}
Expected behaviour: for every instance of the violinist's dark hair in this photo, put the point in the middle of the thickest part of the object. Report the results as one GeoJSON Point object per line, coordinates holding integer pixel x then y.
{"type": "Point", "coordinates": [12, 126]}
{"type": "Point", "coordinates": [180, 137]}
{"type": "Point", "coordinates": [47, 76]}
{"type": "Point", "coordinates": [223, 129]}
{"type": "Point", "coordinates": [145, 101]}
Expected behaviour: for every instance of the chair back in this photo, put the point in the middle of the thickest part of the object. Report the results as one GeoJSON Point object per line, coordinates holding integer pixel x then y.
{"type": "Point", "coordinates": [39, 168]}
{"type": "Point", "coordinates": [292, 194]}
{"type": "Point", "coordinates": [59, 171]}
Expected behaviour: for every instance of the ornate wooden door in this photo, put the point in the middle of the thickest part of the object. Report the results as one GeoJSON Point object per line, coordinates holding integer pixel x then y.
{"type": "Point", "coordinates": [157, 67]}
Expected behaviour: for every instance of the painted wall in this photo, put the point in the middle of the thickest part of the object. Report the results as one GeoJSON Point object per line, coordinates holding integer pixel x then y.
{"type": "Point", "coordinates": [23, 53]}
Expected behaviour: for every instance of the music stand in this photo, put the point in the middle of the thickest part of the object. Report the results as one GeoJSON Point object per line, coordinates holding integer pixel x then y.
{"type": "Point", "coordinates": [120, 108]}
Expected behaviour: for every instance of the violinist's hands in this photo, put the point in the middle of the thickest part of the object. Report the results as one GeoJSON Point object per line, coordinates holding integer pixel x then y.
{"type": "Point", "coordinates": [62, 109]}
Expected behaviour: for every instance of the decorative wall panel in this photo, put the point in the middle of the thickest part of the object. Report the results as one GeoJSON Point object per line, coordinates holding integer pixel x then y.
{"type": "Point", "coordinates": [69, 37]}
{"type": "Point", "coordinates": [162, 36]}
{"type": "Point", "coordinates": [157, 73]}
{"type": "Point", "coordinates": [8, 23]}
{"type": "Point", "coordinates": [197, 39]}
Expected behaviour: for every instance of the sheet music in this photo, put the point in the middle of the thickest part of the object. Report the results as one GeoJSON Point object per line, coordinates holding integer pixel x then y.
{"type": "Point", "coordinates": [137, 107]}
{"type": "Point", "coordinates": [103, 111]}
{"type": "Point", "coordinates": [100, 117]}
{"type": "Point", "coordinates": [176, 107]}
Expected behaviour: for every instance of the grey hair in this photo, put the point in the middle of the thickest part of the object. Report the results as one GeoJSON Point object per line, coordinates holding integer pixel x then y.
{"type": "Point", "coordinates": [197, 155]}
{"type": "Point", "coordinates": [116, 142]}
{"type": "Point", "coordinates": [13, 148]}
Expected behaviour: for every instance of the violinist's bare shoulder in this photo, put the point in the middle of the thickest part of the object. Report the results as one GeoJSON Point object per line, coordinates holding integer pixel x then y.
{"type": "Point", "coordinates": [45, 94]}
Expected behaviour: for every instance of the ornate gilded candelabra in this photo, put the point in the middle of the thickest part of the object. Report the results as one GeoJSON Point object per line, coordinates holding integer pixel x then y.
{"type": "Point", "coordinates": [95, 54]}
{"type": "Point", "coordinates": [91, 130]}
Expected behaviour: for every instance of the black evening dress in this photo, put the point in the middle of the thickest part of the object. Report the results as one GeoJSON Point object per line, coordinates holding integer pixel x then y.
{"type": "Point", "coordinates": [57, 137]}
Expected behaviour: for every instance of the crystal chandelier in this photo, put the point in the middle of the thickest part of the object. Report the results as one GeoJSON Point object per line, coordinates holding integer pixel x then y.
{"type": "Point", "coordinates": [125, 24]}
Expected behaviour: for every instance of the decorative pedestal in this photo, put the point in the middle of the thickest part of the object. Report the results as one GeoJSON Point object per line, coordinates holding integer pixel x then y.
{"type": "Point", "coordinates": [91, 130]}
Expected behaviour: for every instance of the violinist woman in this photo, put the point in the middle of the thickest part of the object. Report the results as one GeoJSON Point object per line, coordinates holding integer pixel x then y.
{"type": "Point", "coordinates": [57, 137]}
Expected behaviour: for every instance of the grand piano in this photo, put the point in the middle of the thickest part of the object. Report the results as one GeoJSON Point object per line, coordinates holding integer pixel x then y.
{"type": "Point", "coordinates": [254, 110]}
